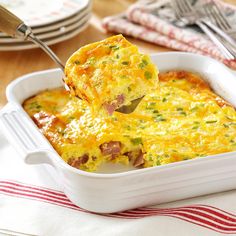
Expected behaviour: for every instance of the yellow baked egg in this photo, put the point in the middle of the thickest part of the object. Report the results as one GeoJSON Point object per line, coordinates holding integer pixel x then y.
{"type": "Point", "coordinates": [110, 73]}
{"type": "Point", "coordinates": [180, 120]}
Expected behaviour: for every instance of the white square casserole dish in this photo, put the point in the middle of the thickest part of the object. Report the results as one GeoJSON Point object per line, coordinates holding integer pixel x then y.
{"type": "Point", "coordinates": [106, 193]}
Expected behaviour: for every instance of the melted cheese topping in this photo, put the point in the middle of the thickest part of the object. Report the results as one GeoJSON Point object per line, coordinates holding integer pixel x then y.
{"type": "Point", "coordinates": [181, 120]}
{"type": "Point", "coordinates": [110, 73]}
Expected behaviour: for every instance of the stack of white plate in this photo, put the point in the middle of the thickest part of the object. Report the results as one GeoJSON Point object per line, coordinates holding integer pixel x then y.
{"type": "Point", "coordinates": [52, 21]}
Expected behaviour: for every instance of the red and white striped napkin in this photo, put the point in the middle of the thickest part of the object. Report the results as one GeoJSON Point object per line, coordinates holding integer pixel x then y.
{"type": "Point", "coordinates": [31, 202]}
{"type": "Point", "coordinates": [154, 21]}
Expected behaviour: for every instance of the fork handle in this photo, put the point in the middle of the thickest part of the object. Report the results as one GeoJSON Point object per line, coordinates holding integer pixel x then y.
{"type": "Point", "coordinates": [225, 51]}
{"type": "Point", "coordinates": [220, 32]}
{"type": "Point", "coordinates": [9, 23]}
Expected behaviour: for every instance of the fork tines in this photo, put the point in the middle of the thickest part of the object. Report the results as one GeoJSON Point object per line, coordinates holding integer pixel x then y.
{"type": "Point", "coordinates": [213, 11]}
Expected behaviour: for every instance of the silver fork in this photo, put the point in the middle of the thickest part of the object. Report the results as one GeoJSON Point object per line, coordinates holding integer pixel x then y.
{"type": "Point", "coordinates": [215, 15]}
{"type": "Point", "coordinates": [189, 16]}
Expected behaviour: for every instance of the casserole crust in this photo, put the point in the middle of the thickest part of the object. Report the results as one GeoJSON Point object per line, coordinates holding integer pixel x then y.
{"type": "Point", "coordinates": [181, 120]}
{"type": "Point", "coordinates": [110, 73]}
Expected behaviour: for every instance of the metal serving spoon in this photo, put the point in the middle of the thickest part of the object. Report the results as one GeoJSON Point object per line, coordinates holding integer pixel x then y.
{"type": "Point", "coordinates": [16, 28]}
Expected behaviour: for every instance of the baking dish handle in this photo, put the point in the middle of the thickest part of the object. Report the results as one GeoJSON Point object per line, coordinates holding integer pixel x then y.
{"type": "Point", "coordinates": [23, 135]}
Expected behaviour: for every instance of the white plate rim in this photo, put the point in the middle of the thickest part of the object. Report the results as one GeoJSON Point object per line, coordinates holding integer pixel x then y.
{"type": "Point", "coordinates": [49, 42]}
{"type": "Point", "coordinates": [46, 35]}
{"type": "Point", "coordinates": [56, 25]}
{"type": "Point", "coordinates": [68, 8]}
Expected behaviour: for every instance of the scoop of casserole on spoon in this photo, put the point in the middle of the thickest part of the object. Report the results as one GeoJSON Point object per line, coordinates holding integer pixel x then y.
{"type": "Point", "coordinates": [110, 75]}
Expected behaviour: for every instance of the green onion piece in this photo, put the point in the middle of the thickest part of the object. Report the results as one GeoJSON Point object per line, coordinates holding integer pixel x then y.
{"type": "Point", "coordinates": [114, 118]}
{"type": "Point", "coordinates": [158, 163]}
{"type": "Point", "coordinates": [35, 105]}
{"type": "Point", "coordinates": [159, 118]}
{"type": "Point", "coordinates": [91, 60]}
{"type": "Point", "coordinates": [150, 105]}
{"type": "Point", "coordinates": [194, 109]}
{"type": "Point", "coordinates": [125, 63]}
{"type": "Point", "coordinates": [136, 141]}
{"type": "Point", "coordinates": [71, 118]}
{"type": "Point", "coordinates": [114, 47]}
{"type": "Point", "coordinates": [148, 75]}
{"type": "Point", "coordinates": [211, 121]}
{"type": "Point", "coordinates": [123, 76]}
{"type": "Point", "coordinates": [142, 64]}
{"type": "Point", "coordinates": [228, 118]}
{"type": "Point", "coordinates": [128, 127]}
{"type": "Point", "coordinates": [183, 113]}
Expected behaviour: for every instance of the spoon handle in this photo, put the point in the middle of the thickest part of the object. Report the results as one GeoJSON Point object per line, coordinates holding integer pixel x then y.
{"type": "Point", "coordinates": [9, 23]}
{"type": "Point", "coordinates": [15, 27]}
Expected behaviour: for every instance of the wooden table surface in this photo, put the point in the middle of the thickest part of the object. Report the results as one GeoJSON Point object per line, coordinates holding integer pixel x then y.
{"type": "Point", "coordinates": [17, 63]}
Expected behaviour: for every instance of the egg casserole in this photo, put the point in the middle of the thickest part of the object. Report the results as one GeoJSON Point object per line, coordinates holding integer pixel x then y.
{"type": "Point", "coordinates": [183, 119]}
{"type": "Point", "coordinates": [110, 73]}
